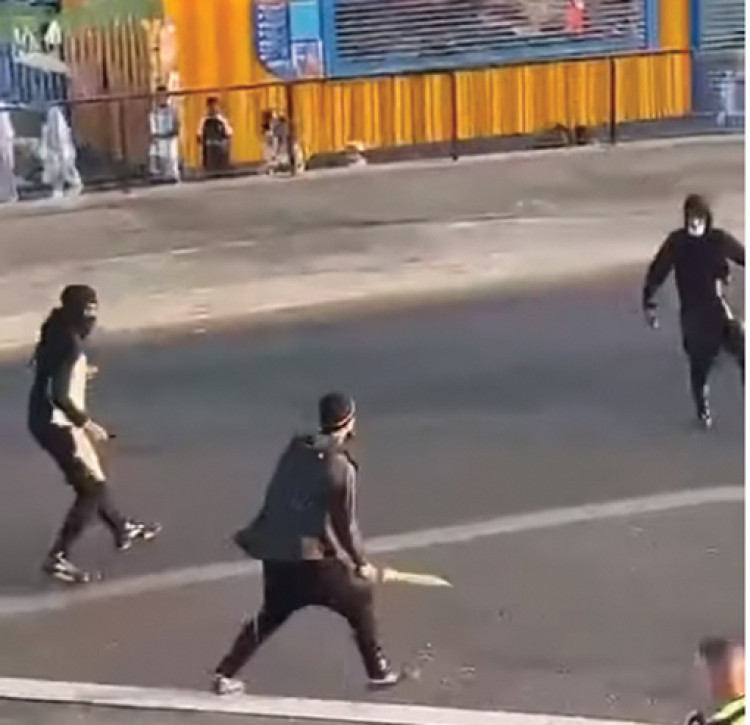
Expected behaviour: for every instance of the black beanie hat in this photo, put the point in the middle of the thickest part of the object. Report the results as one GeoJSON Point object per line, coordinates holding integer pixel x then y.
{"type": "Point", "coordinates": [335, 411]}
{"type": "Point", "coordinates": [76, 297]}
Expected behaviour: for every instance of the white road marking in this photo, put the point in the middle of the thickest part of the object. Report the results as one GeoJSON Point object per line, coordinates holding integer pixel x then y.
{"type": "Point", "coordinates": [184, 251]}
{"type": "Point", "coordinates": [457, 534]}
{"type": "Point", "coordinates": [239, 244]}
{"type": "Point", "coordinates": [142, 698]}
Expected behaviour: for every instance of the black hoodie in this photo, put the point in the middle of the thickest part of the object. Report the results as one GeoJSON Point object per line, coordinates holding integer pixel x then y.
{"type": "Point", "coordinates": [700, 264]}
{"type": "Point", "coordinates": [309, 511]}
{"type": "Point", "coordinates": [57, 361]}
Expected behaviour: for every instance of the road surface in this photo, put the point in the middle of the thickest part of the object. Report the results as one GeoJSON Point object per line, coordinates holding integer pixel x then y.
{"type": "Point", "coordinates": [474, 410]}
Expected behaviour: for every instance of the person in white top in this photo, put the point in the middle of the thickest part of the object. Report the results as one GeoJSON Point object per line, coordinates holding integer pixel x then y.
{"type": "Point", "coordinates": [59, 422]}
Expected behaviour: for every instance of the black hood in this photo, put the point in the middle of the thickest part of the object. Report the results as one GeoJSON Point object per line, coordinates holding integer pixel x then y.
{"type": "Point", "coordinates": [56, 327]}
{"type": "Point", "coordinates": [324, 444]}
{"type": "Point", "coordinates": [76, 300]}
{"type": "Point", "coordinates": [55, 334]}
{"type": "Point", "coordinates": [319, 442]}
{"type": "Point", "coordinates": [697, 205]}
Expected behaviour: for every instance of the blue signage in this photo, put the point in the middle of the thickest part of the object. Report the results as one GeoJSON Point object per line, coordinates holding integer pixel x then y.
{"type": "Point", "coordinates": [288, 37]}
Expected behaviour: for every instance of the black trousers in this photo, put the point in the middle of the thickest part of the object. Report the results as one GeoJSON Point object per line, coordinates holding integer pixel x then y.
{"type": "Point", "coordinates": [291, 586]}
{"type": "Point", "coordinates": [216, 156]}
{"type": "Point", "coordinates": [92, 496]}
{"type": "Point", "coordinates": [703, 340]}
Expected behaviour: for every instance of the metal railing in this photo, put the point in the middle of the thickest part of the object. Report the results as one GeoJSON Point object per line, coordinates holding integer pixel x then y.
{"type": "Point", "coordinates": [448, 113]}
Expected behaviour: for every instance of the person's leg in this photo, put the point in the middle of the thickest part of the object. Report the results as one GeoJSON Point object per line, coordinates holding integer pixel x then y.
{"type": "Point", "coordinates": [56, 177]}
{"type": "Point", "coordinates": [87, 456]}
{"type": "Point", "coordinates": [173, 169]}
{"type": "Point", "coordinates": [8, 191]}
{"type": "Point", "coordinates": [125, 531]}
{"type": "Point", "coordinates": [702, 337]}
{"type": "Point", "coordinates": [700, 367]}
{"type": "Point", "coordinates": [63, 447]}
{"type": "Point", "coordinates": [72, 178]}
{"type": "Point", "coordinates": [109, 514]}
{"type": "Point", "coordinates": [281, 598]}
{"type": "Point", "coordinates": [341, 591]}
{"type": "Point", "coordinates": [79, 516]}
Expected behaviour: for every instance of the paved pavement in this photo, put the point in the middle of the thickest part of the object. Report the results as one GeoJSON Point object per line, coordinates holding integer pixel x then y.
{"type": "Point", "coordinates": [37, 714]}
{"type": "Point", "coordinates": [508, 404]}
{"type": "Point", "coordinates": [241, 247]}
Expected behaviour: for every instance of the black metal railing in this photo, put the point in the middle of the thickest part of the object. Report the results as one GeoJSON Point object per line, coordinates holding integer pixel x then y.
{"type": "Point", "coordinates": [115, 146]}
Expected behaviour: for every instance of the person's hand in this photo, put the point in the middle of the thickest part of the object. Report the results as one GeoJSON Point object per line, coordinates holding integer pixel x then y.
{"type": "Point", "coordinates": [368, 572]}
{"type": "Point", "coordinates": [91, 372]}
{"type": "Point", "coordinates": [96, 432]}
{"type": "Point", "coordinates": [652, 320]}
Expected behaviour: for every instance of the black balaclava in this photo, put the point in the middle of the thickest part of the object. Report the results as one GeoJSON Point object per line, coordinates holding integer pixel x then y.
{"type": "Point", "coordinates": [79, 307]}
{"type": "Point", "coordinates": [698, 217]}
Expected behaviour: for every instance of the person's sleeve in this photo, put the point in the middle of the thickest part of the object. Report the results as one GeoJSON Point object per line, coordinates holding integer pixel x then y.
{"type": "Point", "coordinates": [62, 380]}
{"type": "Point", "coordinates": [343, 512]}
{"type": "Point", "coordinates": [733, 248]}
{"type": "Point", "coordinates": [657, 273]}
{"type": "Point", "coordinates": [227, 126]}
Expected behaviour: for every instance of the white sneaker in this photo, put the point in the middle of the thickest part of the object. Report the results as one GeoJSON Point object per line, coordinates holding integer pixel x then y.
{"type": "Point", "coordinates": [389, 678]}
{"type": "Point", "coordinates": [227, 686]}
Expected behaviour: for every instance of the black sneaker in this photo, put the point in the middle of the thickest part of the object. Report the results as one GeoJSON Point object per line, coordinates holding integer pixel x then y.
{"type": "Point", "coordinates": [59, 567]}
{"type": "Point", "coordinates": [385, 676]}
{"type": "Point", "coordinates": [135, 531]}
{"type": "Point", "coordinates": [223, 686]}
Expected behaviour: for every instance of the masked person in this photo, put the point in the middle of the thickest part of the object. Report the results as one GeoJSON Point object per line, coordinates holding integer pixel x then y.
{"type": "Point", "coordinates": [8, 191]}
{"type": "Point", "coordinates": [58, 153]}
{"type": "Point", "coordinates": [59, 422]}
{"type": "Point", "coordinates": [699, 253]}
{"type": "Point", "coordinates": [307, 537]}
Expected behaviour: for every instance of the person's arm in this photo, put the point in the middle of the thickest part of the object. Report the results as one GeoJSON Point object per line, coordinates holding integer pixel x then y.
{"type": "Point", "coordinates": [657, 273]}
{"type": "Point", "coordinates": [343, 512]}
{"type": "Point", "coordinates": [227, 126]}
{"type": "Point", "coordinates": [201, 128]}
{"type": "Point", "coordinates": [175, 124]}
{"type": "Point", "coordinates": [61, 383]}
{"type": "Point", "coordinates": [733, 248]}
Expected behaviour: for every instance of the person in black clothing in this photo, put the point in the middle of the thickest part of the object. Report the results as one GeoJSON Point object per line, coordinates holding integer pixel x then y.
{"type": "Point", "coordinates": [308, 539]}
{"type": "Point", "coordinates": [699, 253]}
{"type": "Point", "coordinates": [59, 423]}
{"type": "Point", "coordinates": [214, 137]}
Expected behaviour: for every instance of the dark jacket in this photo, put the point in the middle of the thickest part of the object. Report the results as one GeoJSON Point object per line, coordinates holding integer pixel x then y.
{"type": "Point", "coordinates": [701, 268]}
{"type": "Point", "coordinates": [309, 512]}
{"type": "Point", "coordinates": [55, 364]}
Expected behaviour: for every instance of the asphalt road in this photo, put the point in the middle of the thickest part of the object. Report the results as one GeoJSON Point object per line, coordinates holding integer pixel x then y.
{"type": "Point", "coordinates": [469, 410]}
